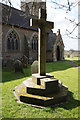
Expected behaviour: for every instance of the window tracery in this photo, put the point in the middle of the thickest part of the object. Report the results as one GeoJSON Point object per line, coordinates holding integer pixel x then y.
{"type": "Point", "coordinates": [35, 42]}
{"type": "Point", "coordinates": [12, 41]}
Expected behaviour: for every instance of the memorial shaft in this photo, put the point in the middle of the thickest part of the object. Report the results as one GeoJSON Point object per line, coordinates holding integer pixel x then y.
{"type": "Point", "coordinates": [42, 52]}
{"type": "Point", "coordinates": [43, 25]}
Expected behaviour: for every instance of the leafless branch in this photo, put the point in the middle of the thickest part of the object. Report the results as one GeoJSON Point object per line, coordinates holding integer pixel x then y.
{"type": "Point", "coordinates": [73, 37]}
{"type": "Point", "coordinates": [68, 6]}
{"type": "Point", "coordinates": [72, 21]}
{"type": "Point", "coordinates": [75, 24]}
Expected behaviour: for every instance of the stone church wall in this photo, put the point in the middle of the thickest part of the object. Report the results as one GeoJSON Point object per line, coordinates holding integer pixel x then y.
{"type": "Point", "coordinates": [6, 54]}
{"type": "Point", "coordinates": [32, 54]}
{"type": "Point", "coordinates": [0, 47]}
{"type": "Point", "coordinates": [49, 56]}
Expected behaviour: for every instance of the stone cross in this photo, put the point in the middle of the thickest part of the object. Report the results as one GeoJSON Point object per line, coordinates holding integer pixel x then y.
{"type": "Point", "coordinates": [43, 25]}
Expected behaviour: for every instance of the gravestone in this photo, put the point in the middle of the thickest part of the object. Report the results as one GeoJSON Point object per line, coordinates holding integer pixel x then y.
{"type": "Point", "coordinates": [10, 65]}
{"type": "Point", "coordinates": [4, 62]}
{"type": "Point", "coordinates": [24, 61]}
{"type": "Point", "coordinates": [18, 66]}
{"type": "Point", "coordinates": [34, 67]}
{"type": "Point", "coordinates": [68, 56]}
{"type": "Point", "coordinates": [42, 89]}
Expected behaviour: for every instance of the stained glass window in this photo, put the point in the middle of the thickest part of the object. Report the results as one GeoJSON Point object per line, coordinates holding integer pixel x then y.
{"type": "Point", "coordinates": [13, 44]}
{"type": "Point", "coordinates": [10, 35]}
{"type": "Point", "coordinates": [37, 45]}
{"type": "Point", "coordinates": [32, 45]}
{"type": "Point", "coordinates": [35, 42]}
{"type": "Point", "coordinates": [8, 44]}
{"type": "Point", "coordinates": [12, 41]}
{"type": "Point", "coordinates": [16, 44]}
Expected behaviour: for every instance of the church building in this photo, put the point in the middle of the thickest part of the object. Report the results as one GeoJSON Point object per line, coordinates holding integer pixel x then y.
{"type": "Point", "coordinates": [19, 39]}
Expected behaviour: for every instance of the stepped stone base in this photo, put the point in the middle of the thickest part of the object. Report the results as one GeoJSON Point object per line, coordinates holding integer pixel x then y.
{"type": "Point", "coordinates": [41, 91]}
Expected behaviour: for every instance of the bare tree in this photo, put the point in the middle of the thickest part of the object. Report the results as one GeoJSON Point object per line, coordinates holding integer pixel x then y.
{"type": "Point", "coordinates": [67, 7]}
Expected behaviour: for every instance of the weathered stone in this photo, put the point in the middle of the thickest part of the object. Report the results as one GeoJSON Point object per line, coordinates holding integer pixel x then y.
{"type": "Point", "coordinates": [34, 67]}
{"type": "Point", "coordinates": [20, 32]}
{"type": "Point", "coordinates": [36, 78]}
{"type": "Point", "coordinates": [43, 25]}
{"type": "Point", "coordinates": [18, 66]}
{"type": "Point", "coordinates": [68, 56]}
{"type": "Point", "coordinates": [47, 100]}
{"type": "Point", "coordinates": [42, 89]}
{"type": "Point", "coordinates": [47, 86]}
{"type": "Point", "coordinates": [10, 65]}
{"type": "Point", "coordinates": [24, 61]}
{"type": "Point", "coordinates": [4, 62]}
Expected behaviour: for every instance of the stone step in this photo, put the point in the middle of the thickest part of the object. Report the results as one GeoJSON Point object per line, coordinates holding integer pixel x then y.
{"type": "Point", "coordinates": [43, 90]}
{"type": "Point", "coordinates": [30, 83]}
{"type": "Point", "coordinates": [33, 88]}
{"type": "Point", "coordinates": [36, 77]}
{"type": "Point", "coordinates": [49, 82]}
{"type": "Point", "coordinates": [48, 100]}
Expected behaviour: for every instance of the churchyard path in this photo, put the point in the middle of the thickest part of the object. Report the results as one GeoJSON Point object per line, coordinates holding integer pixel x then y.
{"type": "Point", "coordinates": [74, 65]}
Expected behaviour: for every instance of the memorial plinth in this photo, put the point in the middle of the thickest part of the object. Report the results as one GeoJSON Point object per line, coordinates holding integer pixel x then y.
{"type": "Point", "coordinates": [48, 92]}
{"type": "Point", "coordinates": [42, 89]}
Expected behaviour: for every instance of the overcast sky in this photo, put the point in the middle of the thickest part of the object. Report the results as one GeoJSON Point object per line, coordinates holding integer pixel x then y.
{"type": "Point", "coordinates": [58, 17]}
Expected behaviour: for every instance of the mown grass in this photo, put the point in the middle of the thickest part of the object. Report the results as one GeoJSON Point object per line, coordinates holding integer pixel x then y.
{"type": "Point", "coordinates": [62, 71]}
{"type": "Point", "coordinates": [75, 60]}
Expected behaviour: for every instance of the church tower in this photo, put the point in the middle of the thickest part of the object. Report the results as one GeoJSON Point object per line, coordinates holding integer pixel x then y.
{"type": "Point", "coordinates": [31, 7]}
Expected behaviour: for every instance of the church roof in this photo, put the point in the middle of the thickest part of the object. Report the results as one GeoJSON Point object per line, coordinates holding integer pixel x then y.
{"type": "Point", "coordinates": [13, 16]}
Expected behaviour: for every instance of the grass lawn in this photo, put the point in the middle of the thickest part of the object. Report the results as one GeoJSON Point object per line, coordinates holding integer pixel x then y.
{"type": "Point", "coordinates": [62, 71]}
{"type": "Point", "coordinates": [75, 60]}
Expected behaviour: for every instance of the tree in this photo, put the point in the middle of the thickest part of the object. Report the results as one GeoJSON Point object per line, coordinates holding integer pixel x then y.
{"type": "Point", "coordinates": [68, 6]}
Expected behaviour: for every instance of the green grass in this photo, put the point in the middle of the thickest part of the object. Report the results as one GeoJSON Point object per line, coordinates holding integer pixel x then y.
{"type": "Point", "coordinates": [75, 60]}
{"type": "Point", "coordinates": [62, 71]}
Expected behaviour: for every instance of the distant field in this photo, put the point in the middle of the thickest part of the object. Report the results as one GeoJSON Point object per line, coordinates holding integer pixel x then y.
{"type": "Point", "coordinates": [62, 71]}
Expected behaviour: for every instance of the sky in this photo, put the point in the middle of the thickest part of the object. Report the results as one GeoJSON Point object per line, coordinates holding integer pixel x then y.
{"type": "Point", "coordinates": [60, 18]}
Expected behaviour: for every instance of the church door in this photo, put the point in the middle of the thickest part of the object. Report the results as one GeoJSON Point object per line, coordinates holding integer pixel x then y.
{"type": "Point", "coordinates": [58, 53]}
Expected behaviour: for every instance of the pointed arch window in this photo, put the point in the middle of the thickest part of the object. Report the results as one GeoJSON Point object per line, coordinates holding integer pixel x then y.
{"type": "Point", "coordinates": [8, 44]}
{"type": "Point", "coordinates": [12, 41]}
{"type": "Point", "coordinates": [16, 44]}
{"type": "Point", "coordinates": [12, 44]}
{"type": "Point", "coordinates": [35, 42]}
